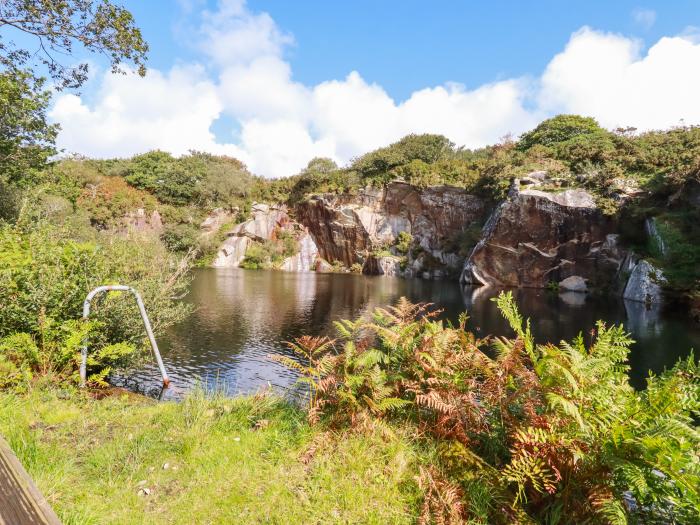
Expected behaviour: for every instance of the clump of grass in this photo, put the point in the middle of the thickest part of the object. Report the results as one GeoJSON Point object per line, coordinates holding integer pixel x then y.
{"type": "Point", "coordinates": [204, 460]}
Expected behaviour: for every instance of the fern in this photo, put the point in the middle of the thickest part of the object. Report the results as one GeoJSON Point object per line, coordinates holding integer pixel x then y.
{"type": "Point", "coordinates": [526, 433]}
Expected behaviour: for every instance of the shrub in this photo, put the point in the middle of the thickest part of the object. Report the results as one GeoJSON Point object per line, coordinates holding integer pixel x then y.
{"type": "Point", "coordinates": [270, 253]}
{"type": "Point", "coordinates": [560, 129]}
{"type": "Point", "coordinates": [44, 278]}
{"type": "Point", "coordinates": [110, 199]}
{"type": "Point", "coordinates": [181, 238]}
{"type": "Point", "coordinates": [403, 242]}
{"type": "Point", "coordinates": [525, 433]}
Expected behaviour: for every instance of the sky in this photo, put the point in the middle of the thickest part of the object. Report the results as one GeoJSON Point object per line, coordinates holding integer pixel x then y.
{"type": "Point", "coordinates": [276, 83]}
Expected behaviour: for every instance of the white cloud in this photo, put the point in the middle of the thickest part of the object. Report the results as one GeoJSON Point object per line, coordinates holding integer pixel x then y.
{"type": "Point", "coordinates": [282, 123]}
{"type": "Point", "coordinates": [172, 112]}
{"type": "Point", "coordinates": [608, 77]}
{"type": "Point", "coordinates": [644, 17]}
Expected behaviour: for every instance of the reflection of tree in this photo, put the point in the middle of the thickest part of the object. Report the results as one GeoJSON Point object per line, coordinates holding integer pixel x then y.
{"type": "Point", "coordinates": [242, 316]}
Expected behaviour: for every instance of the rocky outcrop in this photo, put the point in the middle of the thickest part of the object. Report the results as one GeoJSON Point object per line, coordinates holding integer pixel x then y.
{"type": "Point", "coordinates": [143, 222]}
{"type": "Point", "coordinates": [306, 260]}
{"type": "Point", "coordinates": [644, 284]}
{"type": "Point", "coordinates": [348, 228]}
{"type": "Point", "coordinates": [216, 219]}
{"type": "Point", "coordinates": [266, 224]}
{"type": "Point", "coordinates": [232, 252]}
{"type": "Point", "coordinates": [384, 265]}
{"type": "Point", "coordinates": [535, 237]}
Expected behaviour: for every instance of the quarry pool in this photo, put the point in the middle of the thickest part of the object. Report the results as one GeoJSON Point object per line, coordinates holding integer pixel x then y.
{"type": "Point", "coordinates": [242, 316]}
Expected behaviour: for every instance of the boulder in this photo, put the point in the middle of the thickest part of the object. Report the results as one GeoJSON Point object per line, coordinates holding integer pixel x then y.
{"type": "Point", "coordinates": [574, 283]}
{"type": "Point", "coordinates": [535, 237]}
{"type": "Point", "coordinates": [386, 265]}
{"type": "Point", "coordinates": [644, 284]}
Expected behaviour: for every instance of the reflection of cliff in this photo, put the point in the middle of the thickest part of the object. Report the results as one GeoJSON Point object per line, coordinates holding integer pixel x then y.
{"type": "Point", "coordinates": [242, 316]}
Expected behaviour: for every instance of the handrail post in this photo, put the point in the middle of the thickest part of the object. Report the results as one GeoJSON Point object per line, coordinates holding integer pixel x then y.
{"type": "Point", "coordinates": [146, 323]}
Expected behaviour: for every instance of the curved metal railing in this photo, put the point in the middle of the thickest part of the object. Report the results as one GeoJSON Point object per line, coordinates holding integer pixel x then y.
{"type": "Point", "coordinates": [146, 323]}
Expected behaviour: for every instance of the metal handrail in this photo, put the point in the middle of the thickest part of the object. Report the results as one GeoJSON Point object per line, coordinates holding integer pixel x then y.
{"type": "Point", "coordinates": [146, 323]}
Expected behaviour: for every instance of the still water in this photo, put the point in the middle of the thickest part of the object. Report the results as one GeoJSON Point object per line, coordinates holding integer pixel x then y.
{"type": "Point", "coordinates": [243, 316]}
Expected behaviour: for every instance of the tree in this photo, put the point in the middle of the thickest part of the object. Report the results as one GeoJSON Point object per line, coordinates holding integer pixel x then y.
{"type": "Point", "coordinates": [560, 129]}
{"type": "Point", "coordinates": [26, 138]}
{"type": "Point", "coordinates": [426, 148]}
{"type": "Point", "coordinates": [58, 26]}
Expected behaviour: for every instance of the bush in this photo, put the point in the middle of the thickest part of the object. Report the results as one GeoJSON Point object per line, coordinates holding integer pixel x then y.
{"type": "Point", "coordinates": [525, 433]}
{"type": "Point", "coordinates": [271, 253]}
{"type": "Point", "coordinates": [404, 242]}
{"type": "Point", "coordinates": [181, 238]}
{"type": "Point", "coordinates": [560, 129]}
{"type": "Point", "coordinates": [110, 199]}
{"type": "Point", "coordinates": [44, 279]}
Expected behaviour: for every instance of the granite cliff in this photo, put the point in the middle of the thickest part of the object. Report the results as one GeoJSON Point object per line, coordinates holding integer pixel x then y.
{"type": "Point", "coordinates": [539, 236]}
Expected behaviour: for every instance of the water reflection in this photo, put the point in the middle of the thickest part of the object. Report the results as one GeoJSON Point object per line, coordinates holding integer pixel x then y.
{"type": "Point", "coordinates": [243, 316]}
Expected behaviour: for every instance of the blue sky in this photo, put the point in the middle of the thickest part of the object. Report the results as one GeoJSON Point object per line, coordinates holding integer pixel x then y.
{"type": "Point", "coordinates": [405, 45]}
{"type": "Point", "coordinates": [277, 82]}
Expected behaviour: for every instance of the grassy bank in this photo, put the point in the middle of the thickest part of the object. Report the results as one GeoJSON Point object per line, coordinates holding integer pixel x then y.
{"type": "Point", "coordinates": [126, 459]}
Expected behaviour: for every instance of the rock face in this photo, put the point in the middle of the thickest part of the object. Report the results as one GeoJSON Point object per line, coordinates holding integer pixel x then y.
{"type": "Point", "coordinates": [652, 232]}
{"type": "Point", "coordinates": [535, 237]}
{"type": "Point", "coordinates": [264, 225]}
{"type": "Point", "coordinates": [348, 228]}
{"type": "Point", "coordinates": [644, 283]}
{"type": "Point", "coordinates": [216, 219]}
{"type": "Point", "coordinates": [143, 222]}
{"type": "Point", "coordinates": [532, 239]}
{"type": "Point", "coordinates": [232, 252]}
{"type": "Point", "coordinates": [386, 265]}
{"type": "Point", "coordinates": [307, 258]}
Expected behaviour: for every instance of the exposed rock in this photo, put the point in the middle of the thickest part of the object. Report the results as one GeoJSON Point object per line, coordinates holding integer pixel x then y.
{"type": "Point", "coordinates": [534, 178]}
{"type": "Point", "coordinates": [305, 260]}
{"type": "Point", "coordinates": [232, 252]}
{"type": "Point", "coordinates": [216, 219]}
{"type": "Point", "coordinates": [347, 228]}
{"type": "Point", "coordinates": [644, 283]}
{"type": "Point", "coordinates": [336, 228]}
{"type": "Point", "coordinates": [142, 222]}
{"type": "Point", "coordinates": [264, 224]}
{"type": "Point", "coordinates": [574, 283]}
{"type": "Point", "coordinates": [535, 237]}
{"type": "Point", "coordinates": [389, 266]}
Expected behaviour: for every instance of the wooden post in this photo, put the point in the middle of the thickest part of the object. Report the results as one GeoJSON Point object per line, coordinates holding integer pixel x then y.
{"type": "Point", "coordinates": [21, 503]}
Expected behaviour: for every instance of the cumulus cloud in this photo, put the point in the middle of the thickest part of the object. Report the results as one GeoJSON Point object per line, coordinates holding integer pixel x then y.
{"type": "Point", "coordinates": [607, 76]}
{"type": "Point", "coordinates": [172, 111]}
{"type": "Point", "coordinates": [282, 124]}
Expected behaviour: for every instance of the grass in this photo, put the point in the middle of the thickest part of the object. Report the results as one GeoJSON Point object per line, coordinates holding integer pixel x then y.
{"type": "Point", "coordinates": [204, 460]}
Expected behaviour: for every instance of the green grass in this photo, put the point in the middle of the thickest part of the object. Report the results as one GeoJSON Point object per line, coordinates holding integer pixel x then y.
{"type": "Point", "coordinates": [205, 460]}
